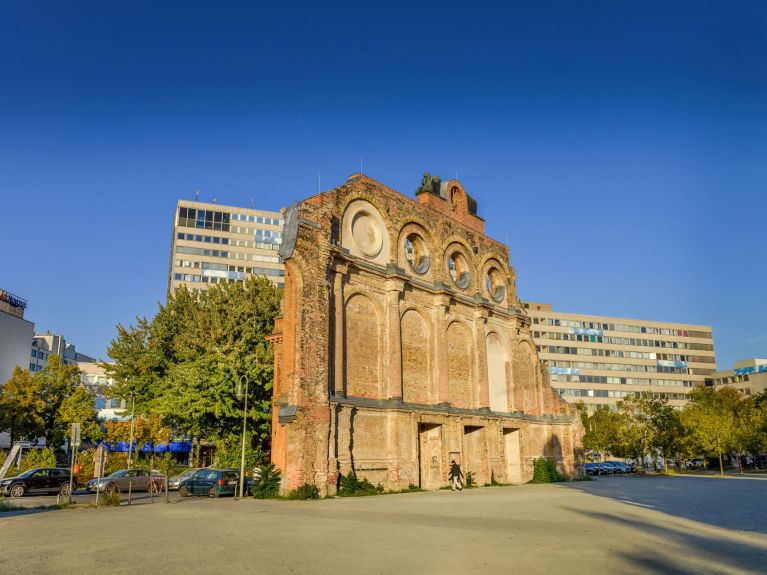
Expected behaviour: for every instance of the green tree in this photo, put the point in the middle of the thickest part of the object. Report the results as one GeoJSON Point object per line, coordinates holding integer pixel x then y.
{"type": "Point", "coordinates": [37, 458]}
{"type": "Point", "coordinates": [710, 420]}
{"type": "Point", "coordinates": [20, 407]}
{"type": "Point", "coordinates": [669, 433]}
{"type": "Point", "coordinates": [602, 431]}
{"type": "Point", "coordinates": [636, 429]}
{"type": "Point", "coordinates": [184, 364]}
{"type": "Point", "coordinates": [53, 385]}
{"type": "Point", "coordinates": [79, 407]}
{"type": "Point", "coordinates": [750, 428]}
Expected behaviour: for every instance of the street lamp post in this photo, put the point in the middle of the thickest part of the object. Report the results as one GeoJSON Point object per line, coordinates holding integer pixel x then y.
{"type": "Point", "coordinates": [244, 430]}
{"type": "Point", "coordinates": [132, 418]}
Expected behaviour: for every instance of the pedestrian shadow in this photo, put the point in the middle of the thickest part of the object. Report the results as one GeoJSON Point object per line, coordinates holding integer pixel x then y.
{"type": "Point", "coordinates": [723, 503]}
{"type": "Point", "coordinates": [721, 553]}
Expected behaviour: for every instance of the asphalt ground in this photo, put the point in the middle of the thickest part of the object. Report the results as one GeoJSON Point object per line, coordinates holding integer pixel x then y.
{"type": "Point", "coordinates": [611, 525]}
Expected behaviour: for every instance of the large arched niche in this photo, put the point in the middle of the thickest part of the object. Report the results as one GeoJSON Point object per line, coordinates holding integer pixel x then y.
{"type": "Point", "coordinates": [459, 367]}
{"type": "Point", "coordinates": [361, 348]}
{"type": "Point", "coordinates": [416, 375]}
{"type": "Point", "coordinates": [364, 233]}
{"type": "Point", "coordinates": [496, 373]}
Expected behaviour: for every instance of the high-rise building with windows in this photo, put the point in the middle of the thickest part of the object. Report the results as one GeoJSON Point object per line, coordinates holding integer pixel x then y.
{"type": "Point", "coordinates": [748, 376]}
{"type": "Point", "coordinates": [600, 360]}
{"type": "Point", "coordinates": [214, 244]}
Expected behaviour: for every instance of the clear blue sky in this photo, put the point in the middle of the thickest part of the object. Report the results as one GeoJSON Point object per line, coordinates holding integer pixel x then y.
{"type": "Point", "coordinates": [620, 148]}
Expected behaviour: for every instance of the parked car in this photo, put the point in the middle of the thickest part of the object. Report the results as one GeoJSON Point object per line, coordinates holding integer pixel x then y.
{"type": "Point", "coordinates": [695, 463]}
{"type": "Point", "coordinates": [49, 480]}
{"type": "Point", "coordinates": [605, 469]}
{"type": "Point", "coordinates": [591, 468]}
{"type": "Point", "coordinates": [620, 467]}
{"type": "Point", "coordinates": [122, 480]}
{"type": "Point", "coordinates": [175, 481]}
{"type": "Point", "coordinates": [210, 482]}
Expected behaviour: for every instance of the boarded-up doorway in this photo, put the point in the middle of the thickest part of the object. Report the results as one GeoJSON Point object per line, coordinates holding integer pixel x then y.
{"type": "Point", "coordinates": [513, 456]}
{"type": "Point", "coordinates": [429, 455]}
{"type": "Point", "coordinates": [474, 453]}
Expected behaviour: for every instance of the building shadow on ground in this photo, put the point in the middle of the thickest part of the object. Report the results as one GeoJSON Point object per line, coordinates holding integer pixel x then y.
{"type": "Point", "coordinates": [721, 502]}
{"type": "Point", "coordinates": [719, 554]}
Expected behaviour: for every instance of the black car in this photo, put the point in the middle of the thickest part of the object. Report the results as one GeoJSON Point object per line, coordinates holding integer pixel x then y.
{"type": "Point", "coordinates": [37, 481]}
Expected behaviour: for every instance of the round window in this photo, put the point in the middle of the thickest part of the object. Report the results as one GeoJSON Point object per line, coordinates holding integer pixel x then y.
{"type": "Point", "coordinates": [494, 284]}
{"type": "Point", "coordinates": [415, 253]}
{"type": "Point", "coordinates": [459, 270]}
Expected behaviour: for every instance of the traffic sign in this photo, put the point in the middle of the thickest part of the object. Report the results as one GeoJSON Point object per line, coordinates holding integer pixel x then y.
{"type": "Point", "coordinates": [76, 434]}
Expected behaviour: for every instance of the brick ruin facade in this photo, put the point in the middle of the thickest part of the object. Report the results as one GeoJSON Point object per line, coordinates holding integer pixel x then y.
{"type": "Point", "coordinates": [403, 345]}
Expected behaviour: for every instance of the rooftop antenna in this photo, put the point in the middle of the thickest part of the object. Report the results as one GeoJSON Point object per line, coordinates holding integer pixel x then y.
{"type": "Point", "coordinates": [214, 199]}
{"type": "Point", "coordinates": [456, 174]}
{"type": "Point", "coordinates": [319, 183]}
{"type": "Point", "coordinates": [251, 202]}
{"type": "Point", "coordinates": [360, 164]}
{"type": "Point", "coordinates": [197, 195]}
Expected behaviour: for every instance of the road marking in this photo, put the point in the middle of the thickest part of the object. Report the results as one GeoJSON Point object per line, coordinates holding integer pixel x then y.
{"type": "Point", "coordinates": [635, 503]}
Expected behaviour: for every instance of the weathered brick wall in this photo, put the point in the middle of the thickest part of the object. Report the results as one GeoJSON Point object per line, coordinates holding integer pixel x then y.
{"type": "Point", "coordinates": [385, 359]}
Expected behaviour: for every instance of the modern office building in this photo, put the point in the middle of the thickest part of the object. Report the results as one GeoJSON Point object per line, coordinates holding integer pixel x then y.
{"type": "Point", "coordinates": [600, 360]}
{"type": "Point", "coordinates": [213, 244]}
{"type": "Point", "coordinates": [748, 376]}
{"type": "Point", "coordinates": [15, 334]}
{"type": "Point", "coordinates": [46, 344]}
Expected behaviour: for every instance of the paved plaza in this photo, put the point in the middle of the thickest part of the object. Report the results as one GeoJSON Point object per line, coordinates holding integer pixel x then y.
{"type": "Point", "coordinates": [612, 525]}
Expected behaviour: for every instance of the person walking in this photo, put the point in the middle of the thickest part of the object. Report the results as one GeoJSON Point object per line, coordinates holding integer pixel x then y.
{"type": "Point", "coordinates": [455, 476]}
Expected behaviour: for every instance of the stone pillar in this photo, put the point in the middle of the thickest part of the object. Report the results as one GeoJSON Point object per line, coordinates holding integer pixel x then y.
{"type": "Point", "coordinates": [482, 392]}
{"type": "Point", "coordinates": [393, 371]}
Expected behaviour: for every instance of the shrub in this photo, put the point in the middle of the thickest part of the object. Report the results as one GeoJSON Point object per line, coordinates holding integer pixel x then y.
{"type": "Point", "coordinates": [545, 471]}
{"type": "Point", "coordinates": [110, 499]}
{"type": "Point", "coordinates": [351, 486]}
{"type": "Point", "coordinates": [38, 458]}
{"type": "Point", "coordinates": [306, 491]}
{"type": "Point", "coordinates": [470, 480]}
{"type": "Point", "coordinates": [267, 485]}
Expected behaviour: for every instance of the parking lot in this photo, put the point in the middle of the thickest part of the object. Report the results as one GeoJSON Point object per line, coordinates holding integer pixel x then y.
{"type": "Point", "coordinates": [84, 497]}
{"type": "Point", "coordinates": [611, 525]}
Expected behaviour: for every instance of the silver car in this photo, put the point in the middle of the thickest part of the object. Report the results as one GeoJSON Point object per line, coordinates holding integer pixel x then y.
{"type": "Point", "coordinates": [176, 480]}
{"type": "Point", "coordinates": [122, 480]}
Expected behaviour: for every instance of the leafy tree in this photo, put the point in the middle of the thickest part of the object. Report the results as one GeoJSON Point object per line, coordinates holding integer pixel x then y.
{"type": "Point", "coordinates": [669, 432]}
{"type": "Point", "coordinates": [710, 420]}
{"type": "Point", "coordinates": [750, 428]}
{"type": "Point", "coordinates": [229, 453]}
{"type": "Point", "coordinates": [602, 431]}
{"type": "Point", "coordinates": [20, 407]}
{"type": "Point", "coordinates": [146, 429]}
{"type": "Point", "coordinates": [638, 431]}
{"type": "Point", "coordinates": [53, 385]}
{"type": "Point", "coordinates": [37, 458]}
{"type": "Point", "coordinates": [79, 407]}
{"type": "Point", "coordinates": [184, 365]}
